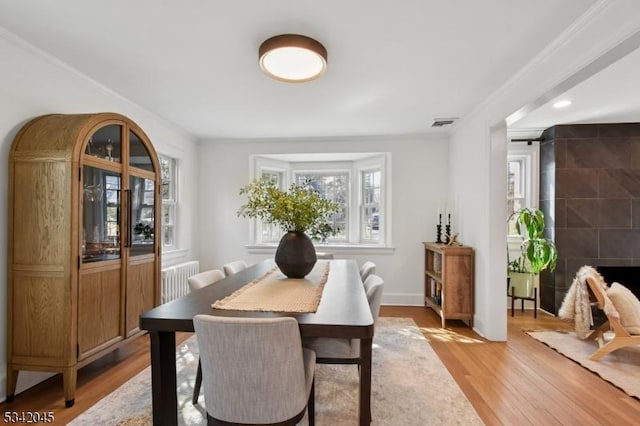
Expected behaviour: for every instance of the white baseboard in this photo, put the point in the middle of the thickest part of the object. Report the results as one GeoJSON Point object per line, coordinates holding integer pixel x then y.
{"type": "Point", "coordinates": [403, 299]}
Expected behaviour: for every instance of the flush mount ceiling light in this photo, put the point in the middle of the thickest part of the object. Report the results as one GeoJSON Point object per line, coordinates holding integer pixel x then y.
{"type": "Point", "coordinates": [292, 58]}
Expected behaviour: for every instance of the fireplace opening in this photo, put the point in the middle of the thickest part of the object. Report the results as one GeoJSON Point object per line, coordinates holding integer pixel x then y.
{"type": "Point", "coordinates": [628, 276]}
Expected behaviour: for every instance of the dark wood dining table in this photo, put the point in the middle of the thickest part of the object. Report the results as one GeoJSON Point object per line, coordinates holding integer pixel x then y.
{"type": "Point", "coordinates": [343, 312]}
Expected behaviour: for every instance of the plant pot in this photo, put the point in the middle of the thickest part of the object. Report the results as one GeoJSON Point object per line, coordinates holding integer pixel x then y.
{"type": "Point", "coordinates": [295, 255]}
{"type": "Point", "coordinates": [522, 284]}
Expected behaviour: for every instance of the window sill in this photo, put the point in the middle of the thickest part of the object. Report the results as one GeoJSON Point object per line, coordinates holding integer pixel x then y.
{"type": "Point", "coordinates": [330, 248]}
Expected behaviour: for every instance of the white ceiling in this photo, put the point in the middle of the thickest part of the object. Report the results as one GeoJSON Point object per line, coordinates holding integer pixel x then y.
{"type": "Point", "coordinates": [606, 97]}
{"type": "Point", "coordinates": [394, 65]}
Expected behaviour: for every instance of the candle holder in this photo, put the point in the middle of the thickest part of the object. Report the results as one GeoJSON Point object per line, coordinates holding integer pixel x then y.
{"type": "Point", "coordinates": [439, 230]}
{"type": "Point", "coordinates": [447, 230]}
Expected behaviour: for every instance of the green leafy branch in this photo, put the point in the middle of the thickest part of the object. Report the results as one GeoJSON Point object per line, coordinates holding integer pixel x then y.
{"type": "Point", "coordinates": [299, 209]}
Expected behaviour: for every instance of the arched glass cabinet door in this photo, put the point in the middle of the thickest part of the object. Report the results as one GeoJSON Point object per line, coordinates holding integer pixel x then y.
{"type": "Point", "coordinates": [142, 220]}
{"type": "Point", "coordinates": [101, 213]}
{"type": "Point", "coordinates": [102, 195]}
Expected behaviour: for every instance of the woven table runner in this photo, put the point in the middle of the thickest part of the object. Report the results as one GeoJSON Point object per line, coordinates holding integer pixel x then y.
{"type": "Point", "coordinates": [274, 292]}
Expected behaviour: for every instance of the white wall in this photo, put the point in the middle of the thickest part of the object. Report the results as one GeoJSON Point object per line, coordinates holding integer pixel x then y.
{"type": "Point", "coordinates": [478, 142]}
{"type": "Point", "coordinates": [419, 183]}
{"type": "Point", "coordinates": [32, 84]}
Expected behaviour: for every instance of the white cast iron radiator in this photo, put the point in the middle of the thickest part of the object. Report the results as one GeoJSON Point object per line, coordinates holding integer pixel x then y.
{"type": "Point", "coordinates": [174, 280]}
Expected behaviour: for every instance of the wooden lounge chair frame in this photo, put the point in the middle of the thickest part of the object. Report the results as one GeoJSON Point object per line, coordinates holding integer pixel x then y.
{"type": "Point", "coordinates": [622, 338]}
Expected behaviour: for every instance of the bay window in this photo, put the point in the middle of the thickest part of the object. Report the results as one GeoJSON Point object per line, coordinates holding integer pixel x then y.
{"type": "Point", "coordinates": [356, 181]}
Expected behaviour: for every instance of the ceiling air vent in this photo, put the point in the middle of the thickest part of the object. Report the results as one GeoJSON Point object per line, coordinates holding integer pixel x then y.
{"type": "Point", "coordinates": [443, 122]}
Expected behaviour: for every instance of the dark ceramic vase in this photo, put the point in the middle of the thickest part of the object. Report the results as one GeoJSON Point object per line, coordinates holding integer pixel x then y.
{"type": "Point", "coordinates": [295, 255]}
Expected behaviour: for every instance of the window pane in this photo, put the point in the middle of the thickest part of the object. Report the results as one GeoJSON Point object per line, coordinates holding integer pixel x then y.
{"type": "Point", "coordinates": [370, 223]}
{"type": "Point", "coordinates": [167, 214]}
{"type": "Point", "coordinates": [167, 176]}
{"type": "Point", "coordinates": [100, 215]}
{"type": "Point", "coordinates": [138, 154]}
{"type": "Point", "coordinates": [272, 176]}
{"type": "Point", "coordinates": [333, 187]}
{"type": "Point", "coordinates": [516, 191]}
{"type": "Point", "coordinates": [106, 143]}
{"type": "Point", "coordinates": [167, 224]}
{"type": "Point", "coordinates": [168, 191]}
{"type": "Point", "coordinates": [142, 221]}
{"type": "Point", "coordinates": [271, 232]}
{"type": "Point", "coordinates": [167, 235]}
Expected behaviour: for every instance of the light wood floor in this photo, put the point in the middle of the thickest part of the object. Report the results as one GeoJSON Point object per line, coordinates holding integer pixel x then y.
{"type": "Point", "coordinates": [520, 382]}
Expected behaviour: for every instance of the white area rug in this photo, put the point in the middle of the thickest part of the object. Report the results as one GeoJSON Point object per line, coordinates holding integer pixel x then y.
{"type": "Point", "coordinates": [620, 368]}
{"type": "Point", "coordinates": [411, 386]}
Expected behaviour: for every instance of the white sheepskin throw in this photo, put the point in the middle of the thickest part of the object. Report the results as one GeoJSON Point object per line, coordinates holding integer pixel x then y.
{"type": "Point", "coordinates": [576, 305]}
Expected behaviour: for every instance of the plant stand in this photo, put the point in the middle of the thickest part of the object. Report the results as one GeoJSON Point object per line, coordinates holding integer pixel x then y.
{"type": "Point", "coordinates": [522, 299]}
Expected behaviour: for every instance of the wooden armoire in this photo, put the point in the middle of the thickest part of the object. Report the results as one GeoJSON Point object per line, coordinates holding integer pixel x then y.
{"type": "Point", "coordinates": [84, 243]}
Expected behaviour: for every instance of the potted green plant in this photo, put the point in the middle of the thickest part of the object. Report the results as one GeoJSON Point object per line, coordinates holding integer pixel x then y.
{"type": "Point", "coordinates": [144, 229]}
{"type": "Point", "coordinates": [300, 212]}
{"type": "Point", "coordinates": [537, 253]}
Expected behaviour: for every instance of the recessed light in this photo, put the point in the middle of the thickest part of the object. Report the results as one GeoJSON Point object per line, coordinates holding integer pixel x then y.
{"type": "Point", "coordinates": [562, 104]}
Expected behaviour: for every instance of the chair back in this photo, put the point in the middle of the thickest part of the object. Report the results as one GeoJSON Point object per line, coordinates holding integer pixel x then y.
{"type": "Point", "coordinates": [367, 269]}
{"type": "Point", "coordinates": [234, 267]}
{"type": "Point", "coordinates": [253, 369]}
{"type": "Point", "coordinates": [205, 278]}
{"type": "Point", "coordinates": [374, 286]}
{"type": "Point", "coordinates": [597, 291]}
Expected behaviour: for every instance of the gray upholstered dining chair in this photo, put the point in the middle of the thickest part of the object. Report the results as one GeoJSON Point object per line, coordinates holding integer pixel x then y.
{"type": "Point", "coordinates": [234, 267]}
{"type": "Point", "coordinates": [367, 269]}
{"type": "Point", "coordinates": [205, 278]}
{"type": "Point", "coordinates": [255, 370]}
{"type": "Point", "coordinates": [196, 282]}
{"type": "Point", "coordinates": [331, 350]}
{"type": "Point", "coordinates": [373, 285]}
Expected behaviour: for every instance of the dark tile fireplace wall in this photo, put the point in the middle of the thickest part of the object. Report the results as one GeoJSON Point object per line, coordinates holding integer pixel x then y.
{"type": "Point", "coordinates": [590, 195]}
